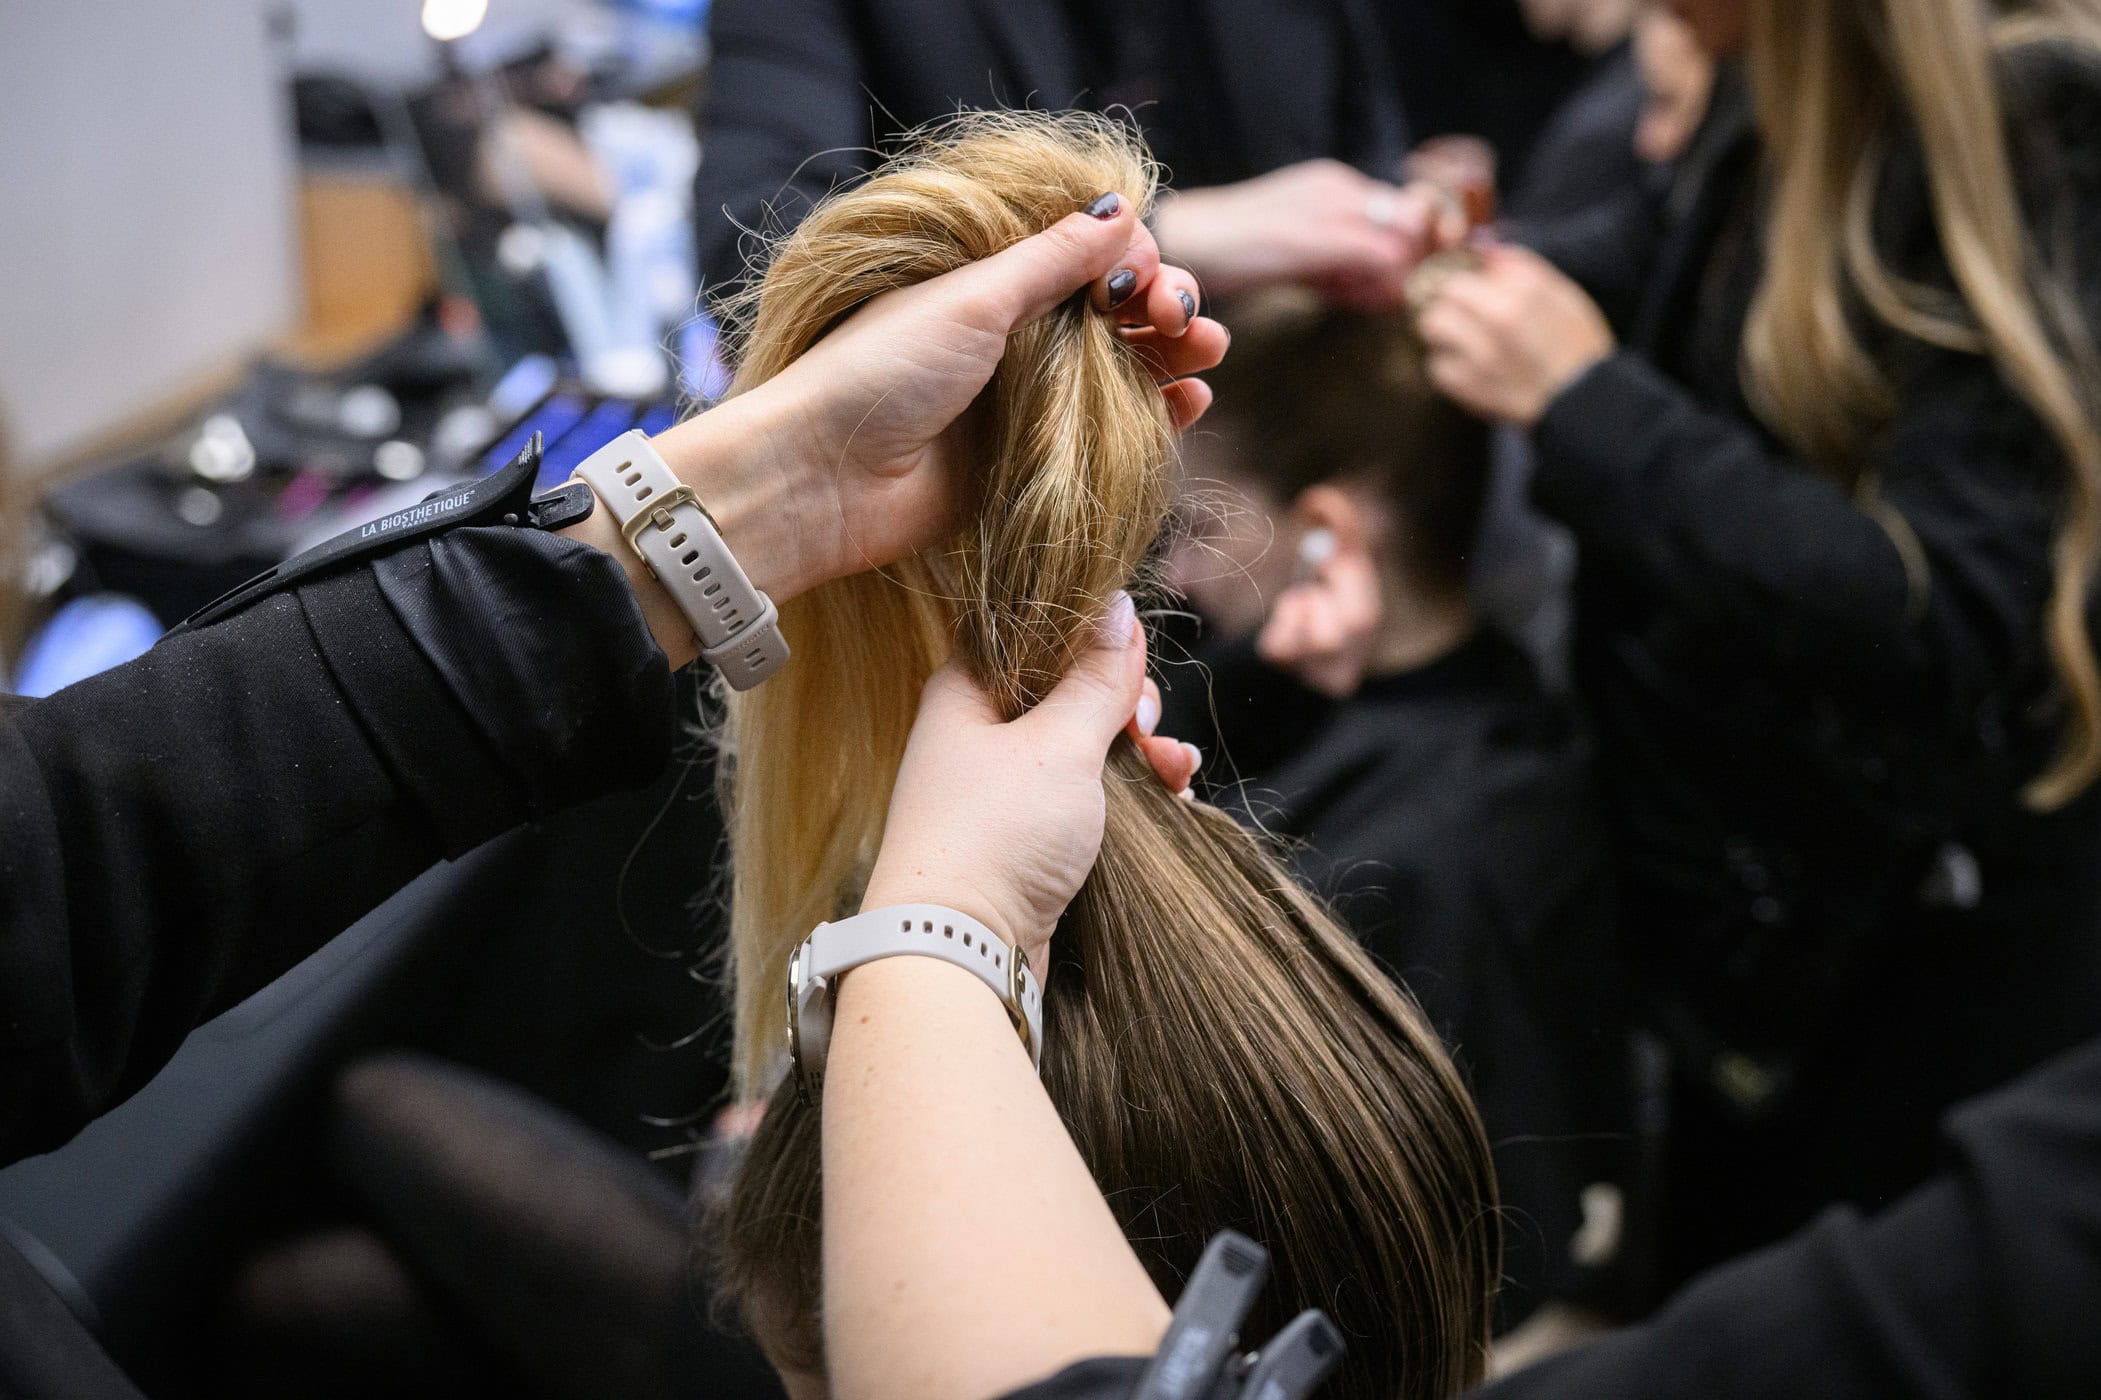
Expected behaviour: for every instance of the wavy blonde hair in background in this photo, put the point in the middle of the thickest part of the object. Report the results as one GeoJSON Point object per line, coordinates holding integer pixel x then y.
{"type": "Point", "coordinates": [1835, 82]}
{"type": "Point", "coordinates": [1221, 1050]}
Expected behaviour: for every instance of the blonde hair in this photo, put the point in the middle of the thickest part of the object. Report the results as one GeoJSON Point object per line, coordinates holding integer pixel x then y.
{"type": "Point", "coordinates": [1221, 1050]}
{"type": "Point", "coordinates": [1834, 81]}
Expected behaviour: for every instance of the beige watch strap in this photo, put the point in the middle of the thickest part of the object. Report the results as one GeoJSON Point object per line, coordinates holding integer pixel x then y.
{"type": "Point", "coordinates": [665, 523]}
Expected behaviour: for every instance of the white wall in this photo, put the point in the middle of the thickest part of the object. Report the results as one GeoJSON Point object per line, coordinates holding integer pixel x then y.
{"type": "Point", "coordinates": [147, 224]}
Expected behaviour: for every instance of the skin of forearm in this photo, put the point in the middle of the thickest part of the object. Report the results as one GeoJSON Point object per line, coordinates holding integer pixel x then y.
{"type": "Point", "coordinates": [967, 1249]}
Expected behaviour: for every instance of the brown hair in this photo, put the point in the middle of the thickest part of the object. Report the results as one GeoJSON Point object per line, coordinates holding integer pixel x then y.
{"type": "Point", "coordinates": [1221, 1050]}
{"type": "Point", "coordinates": [1835, 83]}
{"type": "Point", "coordinates": [1313, 394]}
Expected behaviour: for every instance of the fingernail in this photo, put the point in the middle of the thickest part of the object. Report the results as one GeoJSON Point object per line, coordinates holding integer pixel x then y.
{"type": "Point", "coordinates": [1188, 306]}
{"type": "Point", "coordinates": [1187, 794]}
{"type": "Point", "coordinates": [1148, 715]}
{"type": "Point", "coordinates": [1196, 759]}
{"type": "Point", "coordinates": [1105, 206]}
{"type": "Point", "coordinates": [1121, 286]}
{"type": "Point", "coordinates": [1117, 624]}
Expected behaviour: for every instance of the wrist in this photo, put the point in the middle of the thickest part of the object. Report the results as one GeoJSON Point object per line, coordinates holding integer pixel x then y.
{"type": "Point", "coordinates": [761, 493]}
{"type": "Point", "coordinates": [895, 884]}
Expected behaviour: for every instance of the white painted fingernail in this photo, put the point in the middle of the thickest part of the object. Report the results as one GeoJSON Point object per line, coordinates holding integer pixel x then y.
{"type": "Point", "coordinates": [1148, 715]}
{"type": "Point", "coordinates": [1119, 621]}
{"type": "Point", "coordinates": [1196, 759]}
{"type": "Point", "coordinates": [1187, 794]}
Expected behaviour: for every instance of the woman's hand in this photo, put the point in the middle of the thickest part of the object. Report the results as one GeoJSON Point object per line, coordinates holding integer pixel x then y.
{"type": "Point", "coordinates": [845, 462]}
{"type": "Point", "coordinates": [1319, 224]}
{"type": "Point", "coordinates": [1004, 820]}
{"type": "Point", "coordinates": [1505, 341]}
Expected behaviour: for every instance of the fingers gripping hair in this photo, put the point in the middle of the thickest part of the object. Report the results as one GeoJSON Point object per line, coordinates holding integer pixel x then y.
{"type": "Point", "coordinates": [1223, 1053]}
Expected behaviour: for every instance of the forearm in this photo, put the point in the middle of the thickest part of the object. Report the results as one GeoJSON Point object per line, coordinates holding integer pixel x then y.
{"type": "Point", "coordinates": [967, 1250]}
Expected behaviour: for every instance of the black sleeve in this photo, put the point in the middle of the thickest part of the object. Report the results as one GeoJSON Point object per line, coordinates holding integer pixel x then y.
{"type": "Point", "coordinates": [786, 118]}
{"type": "Point", "coordinates": [1104, 1378]}
{"type": "Point", "coordinates": [1984, 1283]}
{"type": "Point", "coordinates": [177, 832]}
{"type": "Point", "coordinates": [1937, 592]}
{"type": "Point", "coordinates": [1609, 246]}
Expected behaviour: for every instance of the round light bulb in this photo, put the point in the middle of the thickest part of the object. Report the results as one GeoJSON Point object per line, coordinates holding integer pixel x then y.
{"type": "Point", "coordinates": [445, 20]}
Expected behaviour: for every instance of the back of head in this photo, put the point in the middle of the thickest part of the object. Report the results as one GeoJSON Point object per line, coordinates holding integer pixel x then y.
{"type": "Point", "coordinates": [1223, 1053]}
{"type": "Point", "coordinates": [1313, 394]}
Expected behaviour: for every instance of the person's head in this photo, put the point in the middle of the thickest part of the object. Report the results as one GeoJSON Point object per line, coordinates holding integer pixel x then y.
{"type": "Point", "coordinates": [1223, 1053]}
{"type": "Point", "coordinates": [1677, 79]}
{"type": "Point", "coordinates": [1835, 84]}
{"type": "Point", "coordinates": [1327, 431]}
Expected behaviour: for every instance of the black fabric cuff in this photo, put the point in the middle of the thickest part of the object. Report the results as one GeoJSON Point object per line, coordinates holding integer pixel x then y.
{"type": "Point", "coordinates": [434, 755]}
{"type": "Point", "coordinates": [502, 674]}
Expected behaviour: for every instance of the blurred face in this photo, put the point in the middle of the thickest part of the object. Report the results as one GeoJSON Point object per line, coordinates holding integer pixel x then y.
{"type": "Point", "coordinates": [1717, 25]}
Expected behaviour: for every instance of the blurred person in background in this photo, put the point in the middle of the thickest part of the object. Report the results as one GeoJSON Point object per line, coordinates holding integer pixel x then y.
{"type": "Point", "coordinates": [1405, 748]}
{"type": "Point", "coordinates": [1838, 500]}
{"type": "Point", "coordinates": [1501, 70]}
{"type": "Point", "coordinates": [1279, 123]}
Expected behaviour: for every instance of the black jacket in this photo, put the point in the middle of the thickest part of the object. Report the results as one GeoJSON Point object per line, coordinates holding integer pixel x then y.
{"type": "Point", "coordinates": [1450, 814]}
{"type": "Point", "coordinates": [1815, 718]}
{"type": "Point", "coordinates": [800, 90]}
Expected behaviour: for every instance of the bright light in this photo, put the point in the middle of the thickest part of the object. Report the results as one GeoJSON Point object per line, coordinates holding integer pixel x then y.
{"type": "Point", "coordinates": [453, 19]}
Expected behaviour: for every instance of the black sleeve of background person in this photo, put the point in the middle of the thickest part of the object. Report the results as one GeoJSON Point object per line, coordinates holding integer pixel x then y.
{"type": "Point", "coordinates": [178, 831]}
{"type": "Point", "coordinates": [786, 116]}
{"type": "Point", "coordinates": [1610, 246]}
{"type": "Point", "coordinates": [1984, 1283]}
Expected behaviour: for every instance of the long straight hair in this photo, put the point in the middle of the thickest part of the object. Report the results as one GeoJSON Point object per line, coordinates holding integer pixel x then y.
{"type": "Point", "coordinates": [1221, 1050]}
{"type": "Point", "coordinates": [1834, 83]}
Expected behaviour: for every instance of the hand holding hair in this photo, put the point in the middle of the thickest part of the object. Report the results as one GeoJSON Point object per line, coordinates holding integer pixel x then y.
{"type": "Point", "coordinates": [1003, 820]}
{"type": "Point", "coordinates": [1507, 339]}
{"type": "Point", "coordinates": [853, 458]}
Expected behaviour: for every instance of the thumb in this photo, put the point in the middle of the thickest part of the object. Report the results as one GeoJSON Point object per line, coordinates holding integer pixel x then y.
{"type": "Point", "coordinates": [1031, 278]}
{"type": "Point", "coordinates": [1094, 702]}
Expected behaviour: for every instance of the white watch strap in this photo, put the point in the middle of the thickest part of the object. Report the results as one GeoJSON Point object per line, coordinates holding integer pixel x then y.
{"type": "Point", "coordinates": [665, 523]}
{"type": "Point", "coordinates": [902, 930]}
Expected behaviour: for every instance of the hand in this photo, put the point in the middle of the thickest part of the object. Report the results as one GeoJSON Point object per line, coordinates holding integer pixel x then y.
{"type": "Point", "coordinates": [1319, 224]}
{"type": "Point", "coordinates": [1506, 340]}
{"type": "Point", "coordinates": [1003, 821]}
{"type": "Point", "coordinates": [854, 464]}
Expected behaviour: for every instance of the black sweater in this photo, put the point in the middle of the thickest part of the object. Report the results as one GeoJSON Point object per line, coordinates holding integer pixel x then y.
{"type": "Point", "coordinates": [1843, 917]}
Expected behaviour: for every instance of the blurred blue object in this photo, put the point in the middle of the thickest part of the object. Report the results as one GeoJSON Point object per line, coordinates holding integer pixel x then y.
{"type": "Point", "coordinates": [85, 637]}
{"type": "Point", "coordinates": [691, 14]}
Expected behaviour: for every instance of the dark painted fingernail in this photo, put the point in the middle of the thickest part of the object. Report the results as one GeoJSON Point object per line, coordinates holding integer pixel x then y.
{"type": "Point", "coordinates": [1188, 306]}
{"type": "Point", "coordinates": [1105, 206]}
{"type": "Point", "coordinates": [1121, 286]}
